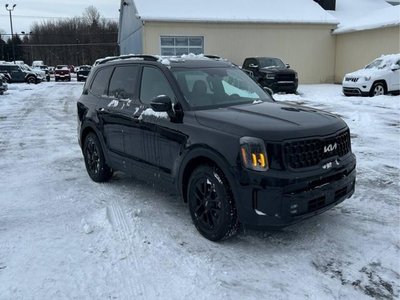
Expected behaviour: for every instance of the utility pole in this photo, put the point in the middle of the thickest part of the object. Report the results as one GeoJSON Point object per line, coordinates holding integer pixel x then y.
{"type": "Point", "coordinates": [11, 25]}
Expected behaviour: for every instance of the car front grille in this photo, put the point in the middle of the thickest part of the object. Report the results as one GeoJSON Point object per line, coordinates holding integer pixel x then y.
{"type": "Point", "coordinates": [285, 77]}
{"type": "Point", "coordinates": [310, 153]}
{"type": "Point", "coordinates": [353, 79]}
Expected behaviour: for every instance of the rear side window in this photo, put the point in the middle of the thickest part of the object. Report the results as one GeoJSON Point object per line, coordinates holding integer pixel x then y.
{"type": "Point", "coordinates": [5, 69]}
{"type": "Point", "coordinates": [123, 82]}
{"type": "Point", "coordinates": [154, 84]}
{"type": "Point", "coordinates": [100, 83]}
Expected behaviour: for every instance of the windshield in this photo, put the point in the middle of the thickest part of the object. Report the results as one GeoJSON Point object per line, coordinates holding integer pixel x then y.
{"type": "Point", "coordinates": [25, 67]}
{"type": "Point", "coordinates": [268, 62]}
{"type": "Point", "coordinates": [205, 88]}
{"type": "Point", "coordinates": [377, 64]}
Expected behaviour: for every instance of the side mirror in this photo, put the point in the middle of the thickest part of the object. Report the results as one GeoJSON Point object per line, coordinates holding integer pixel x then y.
{"type": "Point", "coordinates": [163, 103]}
{"type": "Point", "coordinates": [269, 91]}
{"type": "Point", "coordinates": [253, 66]}
{"type": "Point", "coordinates": [288, 66]}
{"type": "Point", "coordinates": [395, 67]}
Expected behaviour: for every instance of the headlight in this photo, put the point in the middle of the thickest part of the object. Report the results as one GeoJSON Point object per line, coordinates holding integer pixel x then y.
{"type": "Point", "coordinates": [367, 78]}
{"type": "Point", "coordinates": [253, 153]}
{"type": "Point", "coordinates": [270, 76]}
{"type": "Point", "coordinates": [296, 76]}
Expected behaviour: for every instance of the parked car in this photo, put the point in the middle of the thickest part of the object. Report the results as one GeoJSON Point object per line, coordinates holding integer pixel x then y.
{"type": "Point", "coordinates": [203, 127]}
{"type": "Point", "coordinates": [83, 72]}
{"type": "Point", "coordinates": [62, 72]}
{"type": "Point", "coordinates": [18, 73]}
{"type": "Point", "coordinates": [45, 71]}
{"type": "Point", "coordinates": [380, 77]}
{"type": "Point", "coordinates": [3, 84]}
{"type": "Point", "coordinates": [272, 73]}
{"type": "Point", "coordinates": [37, 63]}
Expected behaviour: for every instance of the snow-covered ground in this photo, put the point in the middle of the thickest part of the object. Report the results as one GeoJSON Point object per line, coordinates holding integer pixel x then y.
{"type": "Point", "coordinates": [63, 236]}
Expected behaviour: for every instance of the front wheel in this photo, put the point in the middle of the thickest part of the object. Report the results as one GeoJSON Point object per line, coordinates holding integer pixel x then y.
{"type": "Point", "coordinates": [378, 89]}
{"type": "Point", "coordinates": [95, 162]}
{"type": "Point", "coordinates": [31, 79]}
{"type": "Point", "coordinates": [211, 203]}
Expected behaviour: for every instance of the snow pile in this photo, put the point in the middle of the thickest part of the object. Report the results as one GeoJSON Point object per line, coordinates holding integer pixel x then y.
{"type": "Point", "coordinates": [357, 15]}
{"type": "Point", "coordinates": [386, 17]}
{"type": "Point", "coordinates": [259, 11]}
{"type": "Point", "coordinates": [151, 113]}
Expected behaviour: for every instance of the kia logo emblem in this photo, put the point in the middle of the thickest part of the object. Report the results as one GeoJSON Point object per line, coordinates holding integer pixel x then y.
{"type": "Point", "coordinates": [330, 148]}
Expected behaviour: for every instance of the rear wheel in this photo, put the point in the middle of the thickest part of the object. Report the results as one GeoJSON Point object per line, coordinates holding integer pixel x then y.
{"type": "Point", "coordinates": [95, 162]}
{"type": "Point", "coordinates": [211, 203]}
{"type": "Point", "coordinates": [378, 89]}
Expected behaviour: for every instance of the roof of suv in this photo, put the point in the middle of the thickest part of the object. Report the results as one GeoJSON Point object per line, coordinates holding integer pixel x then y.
{"type": "Point", "coordinates": [184, 61]}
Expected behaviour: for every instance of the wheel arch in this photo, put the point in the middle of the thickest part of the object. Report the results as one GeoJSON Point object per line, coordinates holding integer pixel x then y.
{"type": "Point", "coordinates": [383, 81]}
{"type": "Point", "coordinates": [200, 156]}
{"type": "Point", "coordinates": [88, 128]}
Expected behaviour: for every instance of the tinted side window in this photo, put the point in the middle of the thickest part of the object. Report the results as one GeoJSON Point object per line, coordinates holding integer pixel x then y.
{"type": "Point", "coordinates": [123, 82]}
{"type": "Point", "coordinates": [5, 68]}
{"type": "Point", "coordinates": [15, 69]}
{"type": "Point", "coordinates": [100, 83]}
{"type": "Point", "coordinates": [154, 84]}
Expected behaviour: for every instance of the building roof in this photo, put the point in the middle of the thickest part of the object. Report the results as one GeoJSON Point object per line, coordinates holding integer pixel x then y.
{"type": "Point", "coordinates": [386, 17]}
{"type": "Point", "coordinates": [357, 15]}
{"type": "Point", "coordinates": [234, 11]}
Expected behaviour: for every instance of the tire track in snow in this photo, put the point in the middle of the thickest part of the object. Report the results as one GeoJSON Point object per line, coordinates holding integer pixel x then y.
{"type": "Point", "coordinates": [127, 235]}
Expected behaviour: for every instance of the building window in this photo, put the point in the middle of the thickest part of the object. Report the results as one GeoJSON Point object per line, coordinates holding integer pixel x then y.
{"type": "Point", "coordinates": [179, 45]}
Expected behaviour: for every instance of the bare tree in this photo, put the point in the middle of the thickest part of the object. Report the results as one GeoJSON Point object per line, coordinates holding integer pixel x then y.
{"type": "Point", "coordinates": [74, 41]}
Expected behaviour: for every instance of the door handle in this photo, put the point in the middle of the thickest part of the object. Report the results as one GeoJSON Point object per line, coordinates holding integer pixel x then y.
{"type": "Point", "coordinates": [101, 110]}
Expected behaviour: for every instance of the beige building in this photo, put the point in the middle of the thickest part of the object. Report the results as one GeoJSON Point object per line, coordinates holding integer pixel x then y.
{"type": "Point", "coordinates": [360, 41]}
{"type": "Point", "coordinates": [300, 32]}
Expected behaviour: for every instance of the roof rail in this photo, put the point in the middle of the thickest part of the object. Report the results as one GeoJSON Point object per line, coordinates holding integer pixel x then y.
{"type": "Point", "coordinates": [144, 57]}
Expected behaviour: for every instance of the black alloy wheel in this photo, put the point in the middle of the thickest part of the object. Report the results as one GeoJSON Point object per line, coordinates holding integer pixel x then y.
{"type": "Point", "coordinates": [95, 163]}
{"type": "Point", "coordinates": [31, 79]}
{"type": "Point", "coordinates": [211, 203]}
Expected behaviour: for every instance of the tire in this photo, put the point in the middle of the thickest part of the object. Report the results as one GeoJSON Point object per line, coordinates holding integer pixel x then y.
{"type": "Point", "coordinates": [31, 79]}
{"type": "Point", "coordinates": [377, 89]}
{"type": "Point", "coordinates": [95, 162]}
{"type": "Point", "coordinates": [211, 203]}
{"type": "Point", "coordinates": [56, 79]}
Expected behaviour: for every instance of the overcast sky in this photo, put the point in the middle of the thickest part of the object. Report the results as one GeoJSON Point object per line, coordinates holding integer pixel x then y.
{"type": "Point", "coordinates": [28, 11]}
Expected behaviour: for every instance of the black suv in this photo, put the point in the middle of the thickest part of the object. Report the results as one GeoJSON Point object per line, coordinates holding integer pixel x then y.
{"type": "Point", "coordinates": [205, 128]}
{"type": "Point", "coordinates": [272, 73]}
{"type": "Point", "coordinates": [18, 74]}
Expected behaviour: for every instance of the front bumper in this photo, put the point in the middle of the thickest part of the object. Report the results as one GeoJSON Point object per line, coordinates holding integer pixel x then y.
{"type": "Point", "coordinates": [281, 86]}
{"type": "Point", "coordinates": [351, 88]}
{"type": "Point", "coordinates": [82, 76]}
{"type": "Point", "coordinates": [63, 76]}
{"type": "Point", "coordinates": [284, 198]}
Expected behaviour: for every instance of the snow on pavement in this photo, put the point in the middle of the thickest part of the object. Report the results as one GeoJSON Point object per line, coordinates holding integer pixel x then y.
{"type": "Point", "coordinates": [63, 236]}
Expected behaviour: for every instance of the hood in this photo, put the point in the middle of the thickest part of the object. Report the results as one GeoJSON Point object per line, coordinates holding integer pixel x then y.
{"type": "Point", "coordinates": [277, 70]}
{"type": "Point", "coordinates": [271, 121]}
{"type": "Point", "coordinates": [367, 73]}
